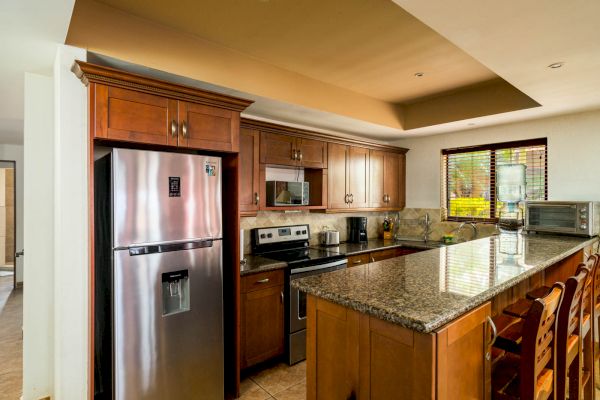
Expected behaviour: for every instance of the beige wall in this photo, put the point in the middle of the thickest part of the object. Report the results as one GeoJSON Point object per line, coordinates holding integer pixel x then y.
{"type": "Point", "coordinates": [573, 154]}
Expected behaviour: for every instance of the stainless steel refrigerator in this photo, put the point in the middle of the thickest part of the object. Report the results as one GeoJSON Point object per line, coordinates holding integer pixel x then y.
{"type": "Point", "coordinates": [158, 276]}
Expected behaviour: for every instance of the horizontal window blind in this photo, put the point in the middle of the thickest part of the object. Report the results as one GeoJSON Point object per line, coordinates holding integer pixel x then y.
{"type": "Point", "coordinates": [469, 177]}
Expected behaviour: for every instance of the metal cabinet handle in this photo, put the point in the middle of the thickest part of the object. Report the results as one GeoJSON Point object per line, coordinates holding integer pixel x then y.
{"type": "Point", "coordinates": [351, 198]}
{"type": "Point", "coordinates": [256, 198]}
{"type": "Point", "coordinates": [347, 198]}
{"type": "Point", "coordinates": [357, 262]}
{"type": "Point", "coordinates": [299, 155]}
{"type": "Point", "coordinates": [184, 129]}
{"type": "Point", "coordinates": [294, 154]}
{"type": "Point", "coordinates": [263, 280]}
{"type": "Point", "coordinates": [282, 296]}
{"type": "Point", "coordinates": [488, 352]}
{"type": "Point", "coordinates": [491, 322]}
{"type": "Point", "coordinates": [173, 128]}
{"type": "Point", "coordinates": [372, 259]}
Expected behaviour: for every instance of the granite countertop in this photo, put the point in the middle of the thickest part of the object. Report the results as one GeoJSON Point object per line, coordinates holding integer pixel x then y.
{"type": "Point", "coordinates": [351, 249]}
{"type": "Point", "coordinates": [255, 264]}
{"type": "Point", "coordinates": [426, 290]}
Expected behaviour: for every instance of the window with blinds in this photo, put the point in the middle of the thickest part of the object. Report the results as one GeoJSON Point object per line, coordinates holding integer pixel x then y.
{"type": "Point", "coordinates": [469, 177]}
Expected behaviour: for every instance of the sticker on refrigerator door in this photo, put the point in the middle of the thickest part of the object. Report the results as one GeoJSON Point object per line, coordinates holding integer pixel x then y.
{"type": "Point", "coordinates": [211, 168]}
{"type": "Point", "coordinates": [174, 186]}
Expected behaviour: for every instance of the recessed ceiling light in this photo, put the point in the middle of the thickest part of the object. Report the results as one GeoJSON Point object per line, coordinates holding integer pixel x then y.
{"type": "Point", "coordinates": [419, 74]}
{"type": "Point", "coordinates": [556, 65]}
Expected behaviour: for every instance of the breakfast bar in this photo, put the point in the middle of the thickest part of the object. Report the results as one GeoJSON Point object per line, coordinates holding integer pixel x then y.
{"type": "Point", "coordinates": [419, 326]}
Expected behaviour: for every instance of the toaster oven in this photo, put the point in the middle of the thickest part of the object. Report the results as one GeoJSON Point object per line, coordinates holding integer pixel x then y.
{"type": "Point", "coordinates": [580, 218]}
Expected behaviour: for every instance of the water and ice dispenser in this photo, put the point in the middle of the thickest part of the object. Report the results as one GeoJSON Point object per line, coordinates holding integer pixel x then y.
{"type": "Point", "coordinates": [175, 292]}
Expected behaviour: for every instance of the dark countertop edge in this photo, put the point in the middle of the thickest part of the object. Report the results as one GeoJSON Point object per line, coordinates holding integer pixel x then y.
{"type": "Point", "coordinates": [402, 243]}
{"type": "Point", "coordinates": [474, 302]}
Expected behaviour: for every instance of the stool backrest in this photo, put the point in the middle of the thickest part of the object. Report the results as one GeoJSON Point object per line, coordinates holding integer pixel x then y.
{"type": "Point", "coordinates": [595, 258]}
{"type": "Point", "coordinates": [588, 289]}
{"type": "Point", "coordinates": [569, 317]}
{"type": "Point", "coordinates": [538, 344]}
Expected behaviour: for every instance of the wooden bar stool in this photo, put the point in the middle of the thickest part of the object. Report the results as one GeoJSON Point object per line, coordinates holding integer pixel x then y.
{"type": "Point", "coordinates": [568, 338]}
{"type": "Point", "coordinates": [531, 375]}
{"type": "Point", "coordinates": [596, 318]}
{"type": "Point", "coordinates": [587, 334]}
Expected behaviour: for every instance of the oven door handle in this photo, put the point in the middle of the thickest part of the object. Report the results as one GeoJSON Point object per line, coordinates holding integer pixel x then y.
{"type": "Point", "coordinates": [318, 267]}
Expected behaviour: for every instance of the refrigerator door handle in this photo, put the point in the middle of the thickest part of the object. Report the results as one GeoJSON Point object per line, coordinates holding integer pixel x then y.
{"type": "Point", "coordinates": [153, 248]}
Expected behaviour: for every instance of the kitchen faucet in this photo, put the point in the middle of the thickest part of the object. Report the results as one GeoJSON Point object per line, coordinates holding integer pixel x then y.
{"type": "Point", "coordinates": [472, 225]}
{"type": "Point", "coordinates": [427, 227]}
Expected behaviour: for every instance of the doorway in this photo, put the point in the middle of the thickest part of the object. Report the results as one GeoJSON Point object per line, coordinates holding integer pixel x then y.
{"type": "Point", "coordinates": [7, 221]}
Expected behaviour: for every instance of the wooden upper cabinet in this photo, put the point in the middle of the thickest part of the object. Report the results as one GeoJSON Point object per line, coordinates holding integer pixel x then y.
{"type": "Point", "coordinates": [249, 171]}
{"type": "Point", "coordinates": [292, 151]}
{"type": "Point", "coordinates": [377, 177]}
{"type": "Point", "coordinates": [386, 180]}
{"type": "Point", "coordinates": [277, 149]}
{"type": "Point", "coordinates": [124, 106]}
{"type": "Point", "coordinates": [207, 127]}
{"type": "Point", "coordinates": [358, 180]}
{"type": "Point", "coordinates": [128, 115]}
{"type": "Point", "coordinates": [312, 153]}
{"type": "Point", "coordinates": [337, 177]}
{"type": "Point", "coordinates": [348, 176]}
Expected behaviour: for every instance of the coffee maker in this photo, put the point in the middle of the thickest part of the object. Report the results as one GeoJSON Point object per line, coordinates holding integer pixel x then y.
{"type": "Point", "coordinates": [357, 229]}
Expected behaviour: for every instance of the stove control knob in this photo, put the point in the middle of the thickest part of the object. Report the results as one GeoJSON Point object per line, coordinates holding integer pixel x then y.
{"type": "Point", "coordinates": [269, 235]}
{"type": "Point", "coordinates": [583, 226]}
{"type": "Point", "coordinates": [298, 232]}
{"type": "Point", "coordinates": [304, 232]}
{"type": "Point", "coordinates": [262, 236]}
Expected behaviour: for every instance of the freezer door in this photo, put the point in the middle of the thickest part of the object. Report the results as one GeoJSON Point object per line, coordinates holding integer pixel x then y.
{"type": "Point", "coordinates": [168, 325]}
{"type": "Point", "coordinates": [161, 197]}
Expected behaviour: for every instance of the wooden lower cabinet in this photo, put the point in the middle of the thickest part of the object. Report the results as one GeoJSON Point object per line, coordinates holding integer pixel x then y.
{"type": "Point", "coordinates": [365, 258]}
{"type": "Point", "coordinates": [262, 314]}
{"type": "Point", "coordinates": [351, 355]}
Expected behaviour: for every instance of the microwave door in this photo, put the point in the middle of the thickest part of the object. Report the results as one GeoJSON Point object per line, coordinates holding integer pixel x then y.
{"type": "Point", "coordinates": [553, 218]}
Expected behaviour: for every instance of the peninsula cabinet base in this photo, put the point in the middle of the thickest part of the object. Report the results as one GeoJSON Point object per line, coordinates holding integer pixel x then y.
{"type": "Point", "coordinates": [351, 355]}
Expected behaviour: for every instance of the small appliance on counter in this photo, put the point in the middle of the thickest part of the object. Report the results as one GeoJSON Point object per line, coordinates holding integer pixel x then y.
{"type": "Point", "coordinates": [579, 218]}
{"type": "Point", "coordinates": [329, 237]}
{"type": "Point", "coordinates": [290, 244]}
{"type": "Point", "coordinates": [357, 229]}
{"type": "Point", "coordinates": [280, 193]}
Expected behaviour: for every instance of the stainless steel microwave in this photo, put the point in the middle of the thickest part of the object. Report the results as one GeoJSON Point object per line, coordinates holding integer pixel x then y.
{"type": "Point", "coordinates": [581, 218]}
{"type": "Point", "coordinates": [281, 193]}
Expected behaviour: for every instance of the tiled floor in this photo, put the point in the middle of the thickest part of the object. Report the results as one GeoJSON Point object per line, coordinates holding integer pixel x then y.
{"type": "Point", "coordinates": [11, 340]}
{"type": "Point", "coordinates": [280, 382]}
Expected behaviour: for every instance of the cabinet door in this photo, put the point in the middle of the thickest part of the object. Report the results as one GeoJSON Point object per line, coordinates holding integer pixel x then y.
{"type": "Point", "coordinates": [383, 254]}
{"type": "Point", "coordinates": [277, 149]}
{"type": "Point", "coordinates": [391, 179]}
{"type": "Point", "coordinates": [208, 128]}
{"type": "Point", "coordinates": [358, 259]}
{"type": "Point", "coordinates": [463, 371]}
{"type": "Point", "coordinates": [401, 180]}
{"type": "Point", "coordinates": [337, 178]}
{"type": "Point", "coordinates": [358, 177]}
{"type": "Point", "coordinates": [312, 153]}
{"type": "Point", "coordinates": [377, 178]}
{"type": "Point", "coordinates": [131, 116]}
{"type": "Point", "coordinates": [249, 170]}
{"type": "Point", "coordinates": [262, 325]}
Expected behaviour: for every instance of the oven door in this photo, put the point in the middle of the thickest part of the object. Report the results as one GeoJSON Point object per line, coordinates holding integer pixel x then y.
{"type": "Point", "coordinates": [297, 302]}
{"type": "Point", "coordinates": [559, 218]}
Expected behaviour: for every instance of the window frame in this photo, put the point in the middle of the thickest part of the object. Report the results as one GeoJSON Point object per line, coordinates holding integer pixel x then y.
{"type": "Point", "coordinates": [492, 147]}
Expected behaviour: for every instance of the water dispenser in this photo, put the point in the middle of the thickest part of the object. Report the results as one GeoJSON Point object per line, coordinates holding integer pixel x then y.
{"type": "Point", "coordinates": [175, 292]}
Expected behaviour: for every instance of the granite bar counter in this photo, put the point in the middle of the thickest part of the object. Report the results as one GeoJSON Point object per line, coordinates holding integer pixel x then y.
{"type": "Point", "coordinates": [426, 290]}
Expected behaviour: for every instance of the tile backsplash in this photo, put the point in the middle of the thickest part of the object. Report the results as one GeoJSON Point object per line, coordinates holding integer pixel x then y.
{"type": "Point", "coordinates": [408, 227]}
{"type": "Point", "coordinates": [317, 221]}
